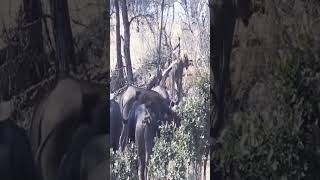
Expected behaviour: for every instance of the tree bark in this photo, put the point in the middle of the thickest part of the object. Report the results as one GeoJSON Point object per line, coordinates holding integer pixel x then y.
{"type": "Point", "coordinates": [34, 69]}
{"type": "Point", "coordinates": [127, 56]}
{"type": "Point", "coordinates": [33, 13]}
{"type": "Point", "coordinates": [63, 35]}
{"type": "Point", "coordinates": [221, 31]}
{"type": "Point", "coordinates": [118, 41]}
{"type": "Point", "coordinates": [159, 46]}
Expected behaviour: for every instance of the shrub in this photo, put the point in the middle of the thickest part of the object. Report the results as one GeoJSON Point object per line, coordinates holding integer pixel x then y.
{"type": "Point", "coordinates": [260, 149]}
{"type": "Point", "coordinates": [287, 145]}
{"type": "Point", "coordinates": [179, 148]}
{"type": "Point", "coordinates": [124, 164]}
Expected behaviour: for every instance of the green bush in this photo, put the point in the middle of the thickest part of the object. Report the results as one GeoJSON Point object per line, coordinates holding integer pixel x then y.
{"type": "Point", "coordinates": [178, 149]}
{"type": "Point", "coordinates": [124, 165]}
{"type": "Point", "coordinates": [170, 155]}
{"type": "Point", "coordinates": [287, 145]}
{"type": "Point", "coordinates": [260, 149]}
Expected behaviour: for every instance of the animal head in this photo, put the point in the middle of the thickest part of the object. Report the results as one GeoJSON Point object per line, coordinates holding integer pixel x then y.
{"type": "Point", "coordinates": [152, 100]}
{"type": "Point", "coordinates": [157, 106]}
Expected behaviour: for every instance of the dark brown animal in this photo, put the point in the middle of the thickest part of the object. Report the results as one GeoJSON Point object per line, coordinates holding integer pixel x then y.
{"type": "Point", "coordinates": [127, 101]}
{"type": "Point", "coordinates": [86, 155]}
{"type": "Point", "coordinates": [16, 157]}
{"type": "Point", "coordinates": [115, 124]}
{"type": "Point", "coordinates": [146, 130]}
{"type": "Point", "coordinates": [70, 103]}
{"type": "Point", "coordinates": [149, 114]}
{"type": "Point", "coordinates": [94, 160]}
{"type": "Point", "coordinates": [163, 92]}
{"type": "Point", "coordinates": [128, 128]}
{"type": "Point", "coordinates": [143, 112]}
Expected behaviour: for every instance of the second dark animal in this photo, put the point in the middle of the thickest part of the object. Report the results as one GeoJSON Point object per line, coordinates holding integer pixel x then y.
{"type": "Point", "coordinates": [70, 103]}
{"type": "Point", "coordinates": [153, 100]}
{"type": "Point", "coordinates": [86, 157]}
{"type": "Point", "coordinates": [115, 124]}
{"type": "Point", "coordinates": [16, 157]}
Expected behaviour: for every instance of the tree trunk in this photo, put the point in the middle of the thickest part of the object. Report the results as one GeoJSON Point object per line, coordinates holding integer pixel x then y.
{"type": "Point", "coordinates": [33, 13]}
{"type": "Point", "coordinates": [62, 35]}
{"type": "Point", "coordinates": [33, 69]}
{"type": "Point", "coordinates": [222, 34]}
{"type": "Point", "coordinates": [179, 51]}
{"type": "Point", "coordinates": [127, 56]}
{"type": "Point", "coordinates": [118, 40]}
{"type": "Point", "coordinates": [159, 46]}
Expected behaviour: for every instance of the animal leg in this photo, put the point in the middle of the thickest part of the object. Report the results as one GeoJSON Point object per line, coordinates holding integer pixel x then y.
{"type": "Point", "coordinates": [179, 88]}
{"type": "Point", "coordinates": [141, 152]}
{"type": "Point", "coordinates": [146, 166]}
{"type": "Point", "coordinates": [204, 169]}
{"type": "Point", "coordinates": [123, 137]}
{"type": "Point", "coordinates": [142, 161]}
{"type": "Point", "coordinates": [150, 133]}
{"type": "Point", "coordinates": [172, 88]}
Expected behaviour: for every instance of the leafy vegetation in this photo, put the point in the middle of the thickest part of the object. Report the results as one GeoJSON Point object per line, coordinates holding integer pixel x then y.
{"type": "Point", "coordinates": [124, 164]}
{"type": "Point", "coordinates": [286, 145]}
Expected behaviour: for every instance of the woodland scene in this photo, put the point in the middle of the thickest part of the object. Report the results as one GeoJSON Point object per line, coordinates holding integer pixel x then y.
{"type": "Point", "coordinates": [195, 89]}
{"type": "Point", "coordinates": [264, 89]}
{"type": "Point", "coordinates": [159, 85]}
{"type": "Point", "coordinates": [53, 89]}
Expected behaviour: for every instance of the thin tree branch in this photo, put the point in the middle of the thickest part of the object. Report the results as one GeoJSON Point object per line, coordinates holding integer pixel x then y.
{"type": "Point", "coordinates": [140, 15]}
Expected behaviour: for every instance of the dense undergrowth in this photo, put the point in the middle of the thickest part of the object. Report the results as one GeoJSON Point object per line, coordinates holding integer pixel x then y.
{"type": "Point", "coordinates": [286, 145]}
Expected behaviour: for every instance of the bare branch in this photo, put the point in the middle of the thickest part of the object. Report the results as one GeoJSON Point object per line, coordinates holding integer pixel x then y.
{"type": "Point", "coordinates": [140, 15]}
